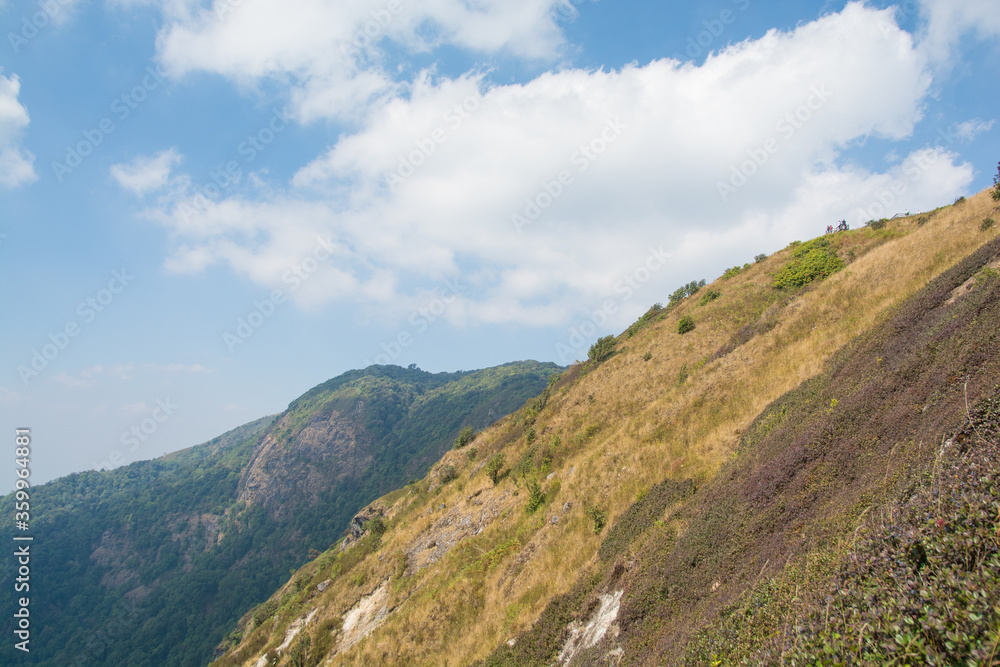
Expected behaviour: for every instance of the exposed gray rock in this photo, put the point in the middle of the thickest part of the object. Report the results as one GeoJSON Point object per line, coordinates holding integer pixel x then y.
{"type": "Point", "coordinates": [584, 635]}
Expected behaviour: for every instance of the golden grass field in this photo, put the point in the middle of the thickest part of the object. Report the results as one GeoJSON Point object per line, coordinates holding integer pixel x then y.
{"type": "Point", "coordinates": [656, 409]}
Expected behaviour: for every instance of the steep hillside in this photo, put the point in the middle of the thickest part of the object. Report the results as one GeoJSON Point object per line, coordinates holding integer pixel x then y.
{"type": "Point", "coordinates": [167, 554]}
{"type": "Point", "coordinates": [677, 500]}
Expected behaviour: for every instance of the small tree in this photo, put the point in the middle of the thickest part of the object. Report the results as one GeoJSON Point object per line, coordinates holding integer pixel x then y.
{"type": "Point", "coordinates": [495, 467]}
{"type": "Point", "coordinates": [996, 184]}
{"type": "Point", "coordinates": [376, 526]}
{"type": "Point", "coordinates": [686, 324]}
{"type": "Point", "coordinates": [602, 349]}
{"type": "Point", "coordinates": [684, 291]}
{"type": "Point", "coordinates": [465, 436]}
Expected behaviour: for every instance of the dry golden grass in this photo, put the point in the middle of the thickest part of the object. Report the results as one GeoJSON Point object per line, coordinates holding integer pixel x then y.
{"type": "Point", "coordinates": [624, 426]}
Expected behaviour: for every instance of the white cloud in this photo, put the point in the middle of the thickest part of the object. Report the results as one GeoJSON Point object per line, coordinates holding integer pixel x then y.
{"type": "Point", "coordinates": [332, 51]}
{"type": "Point", "coordinates": [16, 164]}
{"type": "Point", "coordinates": [146, 173]}
{"type": "Point", "coordinates": [971, 129]}
{"type": "Point", "coordinates": [948, 21]}
{"type": "Point", "coordinates": [663, 137]}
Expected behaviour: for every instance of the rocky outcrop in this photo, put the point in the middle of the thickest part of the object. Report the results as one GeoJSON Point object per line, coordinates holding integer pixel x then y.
{"type": "Point", "coordinates": [365, 616]}
{"type": "Point", "coordinates": [298, 470]}
{"type": "Point", "coordinates": [295, 628]}
{"type": "Point", "coordinates": [587, 634]}
{"type": "Point", "coordinates": [470, 517]}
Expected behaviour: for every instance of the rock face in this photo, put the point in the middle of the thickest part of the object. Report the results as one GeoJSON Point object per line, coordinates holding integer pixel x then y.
{"type": "Point", "coordinates": [295, 628]}
{"type": "Point", "coordinates": [328, 450]}
{"type": "Point", "coordinates": [365, 616]}
{"type": "Point", "coordinates": [584, 635]}
{"type": "Point", "coordinates": [366, 432]}
{"type": "Point", "coordinates": [361, 519]}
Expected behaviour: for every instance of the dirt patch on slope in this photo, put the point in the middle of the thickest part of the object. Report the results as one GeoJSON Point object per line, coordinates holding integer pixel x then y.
{"type": "Point", "coordinates": [365, 616]}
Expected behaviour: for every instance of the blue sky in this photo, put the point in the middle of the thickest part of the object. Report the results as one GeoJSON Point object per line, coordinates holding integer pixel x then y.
{"type": "Point", "coordinates": [210, 207]}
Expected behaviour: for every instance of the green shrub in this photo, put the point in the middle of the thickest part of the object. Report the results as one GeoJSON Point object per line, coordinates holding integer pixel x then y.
{"type": "Point", "coordinates": [376, 525]}
{"type": "Point", "coordinates": [448, 473]}
{"type": "Point", "coordinates": [465, 436]}
{"type": "Point", "coordinates": [599, 518]}
{"type": "Point", "coordinates": [759, 258]}
{"type": "Point", "coordinates": [735, 271]}
{"type": "Point", "coordinates": [264, 611]}
{"type": "Point", "coordinates": [530, 435]}
{"type": "Point", "coordinates": [494, 469]}
{"type": "Point", "coordinates": [535, 497]}
{"type": "Point", "coordinates": [655, 313]}
{"type": "Point", "coordinates": [684, 291]}
{"type": "Point", "coordinates": [472, 453]}
{"type": "Point", "coordinates": [602, 349]}
{"type": "Point", "coordinates": [811, 261]}
{"type": "Point", "coordinates": [683, 374]}
{"type": "Point", "coordinates": [300, 652]}
{"type": "Point", "coordinates": [996, 185]}
{"type": "Point", "coordinates": [987, 223]}
{"type": "Point", "coordinates": [877, 224]}
{"type": "Point", "coordinates": [685, 324]}
{"type": "Point", "coordinates": [960, 200]}
{"type": "Point", "coordinates": [647, 356]}
{"type": "Point", "coordinates": [710, 295]}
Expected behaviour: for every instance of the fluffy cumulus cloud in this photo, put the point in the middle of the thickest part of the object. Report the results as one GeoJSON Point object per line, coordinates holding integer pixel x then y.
{"type": "Point", "coordinates": [332, 52]}
{"type": "Point", "coordinates": [16, 163]}
{"type": "Point", "coordinates": [146, 173]}
{"type": "Point", "coordinates": [550, 198]}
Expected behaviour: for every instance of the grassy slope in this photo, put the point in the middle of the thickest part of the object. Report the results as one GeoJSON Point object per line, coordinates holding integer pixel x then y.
{"type": "Point", "coordinates": [665, 407]}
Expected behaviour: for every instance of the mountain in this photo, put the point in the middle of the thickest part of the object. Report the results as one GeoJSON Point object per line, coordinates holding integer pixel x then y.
{"type": "Point", "coordinates": [153, 563]}
{"type": "Point", "coordinates": [795, 464]}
